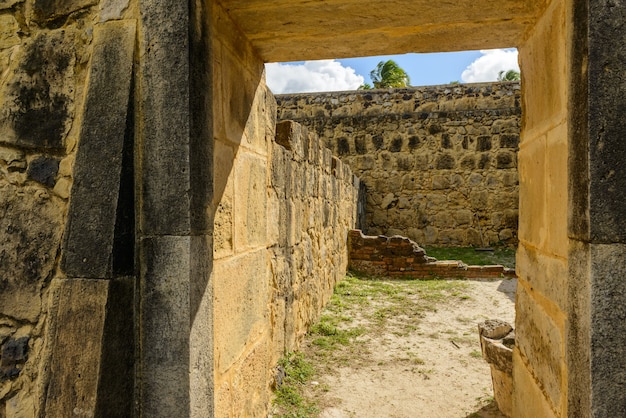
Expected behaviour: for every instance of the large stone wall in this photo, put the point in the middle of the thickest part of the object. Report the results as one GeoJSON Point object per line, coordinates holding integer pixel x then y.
{"type": "Point", "coordinates": [154, 261]}
{"type": "Point", "coordinates": [439, 163]}
{"type": "Point", "coordinates": [284, 206]}
{"type": "Point", "coordinates": [53, 56]}
{"type": "Point", "coordinates": [539, 364]}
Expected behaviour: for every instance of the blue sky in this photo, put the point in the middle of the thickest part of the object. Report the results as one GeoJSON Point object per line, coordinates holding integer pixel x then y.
{"type": "Point", "coordinates": [423, 69]}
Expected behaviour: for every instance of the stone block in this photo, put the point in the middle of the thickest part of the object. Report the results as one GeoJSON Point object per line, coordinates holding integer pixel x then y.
{"type": "Point", "coordinates": [165, 317]}
{"type": "Point", "coordinates": [505, 160]}
{"type": "Point", "coordinates": [546, 273]}
{"type": "Point", "coordinates": [6, 4]}
{"type": "Point", "coordinates": [248, 70]}
{"type": "Point", "coordinates": [532, 191]}
{"type": "Point", "coordinates": [43, 170]}
{"type": "Point", "coordinates": [607, 329]}
{"type": "Point", "coordinates": [255, 136]}
{"type": "Point", "coordinates": [22, 405]}
{"type": "Point", "coordinates": [529, 400]}
{"type": "Point", "coordinates": [236, 91]}
{"type": "Point", "coordinates": [546, 98]}
{"type": "Point", "coordinates": [452, 237]}
{"type": "Point", "coordinates": [112, 9]}
{"type": "Point", "coordinates": [510, 179]}
{"type": "Point", "coordinates": [506, 235]}
{"type": "Point", "coordinates": [479, 199]}
{"type": "Point", "coordinates": [250, 202]}
{"type": "Point", "coordinates": [431, 235]}
{"type": "Point", "coordinates": [96, 205]}
{"type": "Point", "coordinates": [468, 162]}
{"type": "Point", "coordinates": [509, 141]}
{"type": "Point", "coordinates": [445, 161]}
{"type": "Point", "coordinates": [224, 221]}
{"type": "Point", "coordinates": [440, 182]}
{"type": "Point", "coordinates": [49, 10]}
{"type": "Point", "coordinates": [463, 217]}
{"type": "Point", "coordinates": [540, 339]}
{"type": "Point", "coordinates": [201, 356]}
{"type": "Point", "coordinates": [503, 390]}
{"type": "Point", "coordinates": [579, 329]}
{"type": "Point", "coordinates": [31, 237]}
{"type": "Point", "coordinates": [494, 329]}
{"type": "Point", "coordinates": [38, 96]}
{"type": "Point", "coordinates": [494, 334]}
{"type": "Point", "coordinates": [14, 351]}
{"type": "Point", "coordinates": [503, 200]}
{"type": "Point", "coordinates": [164, 141]}
{"type": "Point", "coordinates": [91, 364]}
{"type": "Point", "coordinates": [9, 29]}
{"type": "Point", "coordinates": [252, 394]}
{"type": "Point", "coordinates": [241, 296]}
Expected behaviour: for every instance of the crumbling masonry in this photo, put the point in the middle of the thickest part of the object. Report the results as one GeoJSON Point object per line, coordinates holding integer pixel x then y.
{"type": "Point", "coordinates": [156, 244]}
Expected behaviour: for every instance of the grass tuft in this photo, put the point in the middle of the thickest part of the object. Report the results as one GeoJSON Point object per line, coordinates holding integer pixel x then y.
{"type": "Point", "coordinates": [500, 255]}
{"type": "Point", "coordinates": [289, 401]}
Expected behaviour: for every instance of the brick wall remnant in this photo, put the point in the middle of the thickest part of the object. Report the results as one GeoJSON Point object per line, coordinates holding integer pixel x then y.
{"type": "Point", "coordinates": [400, 257]}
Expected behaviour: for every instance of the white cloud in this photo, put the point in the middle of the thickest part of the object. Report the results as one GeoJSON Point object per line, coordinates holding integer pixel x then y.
{"type": "Point", "coordinates": [487, 67]}
{"type": "Point", "coordinates": [312, 76]}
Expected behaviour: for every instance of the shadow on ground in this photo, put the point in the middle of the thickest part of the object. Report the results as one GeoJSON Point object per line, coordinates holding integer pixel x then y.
{"type": "Point", "coordinates": [488, 411]}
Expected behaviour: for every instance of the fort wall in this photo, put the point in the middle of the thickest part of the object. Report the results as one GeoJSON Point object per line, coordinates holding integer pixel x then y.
{"type": "Point", "coordinates": [439, 162]}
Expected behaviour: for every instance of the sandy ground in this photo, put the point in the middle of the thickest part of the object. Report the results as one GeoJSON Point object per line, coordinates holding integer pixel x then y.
{"type": "Point", "coordinates": [435, 370]}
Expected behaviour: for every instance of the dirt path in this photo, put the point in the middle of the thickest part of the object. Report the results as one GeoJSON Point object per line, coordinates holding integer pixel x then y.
{"type": "Point", "coordinates": [406, 349]}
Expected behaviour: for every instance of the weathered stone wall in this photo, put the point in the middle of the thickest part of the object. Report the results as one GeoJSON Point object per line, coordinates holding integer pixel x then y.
{"type": "Point", "coordinates": [439, 163]}
{"type": "Point", "coordinates": [118, 201]}
{"type": "Point", "coordinates": [539, 362]}
{"type": "Point", "coordinates": [312, 208]}
{"type": "Point", "coordinates": [47, 51]}
{"type": "Point", "coordinates": [283, 209]}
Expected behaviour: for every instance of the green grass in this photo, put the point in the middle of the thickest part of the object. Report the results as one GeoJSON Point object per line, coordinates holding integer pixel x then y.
{"type": "Point", "coordinates": [500, 255]}
{"type": "Point", "coordinates": [407, 298]}
{"type": "Point", "coordinates": [360, 309]}
{"type": "Point", "coordinates": [476, 354]}
{"type": "Point", "coordinates": [289, 399]}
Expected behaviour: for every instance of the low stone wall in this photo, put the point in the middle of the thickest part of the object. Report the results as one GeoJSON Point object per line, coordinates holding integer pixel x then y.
{"type": "Point", "coordinates": [439, 162]}
{"type": "Point", "coordinates": [313, 206]}
{"type": "Point", "coordinates": [398, 256]}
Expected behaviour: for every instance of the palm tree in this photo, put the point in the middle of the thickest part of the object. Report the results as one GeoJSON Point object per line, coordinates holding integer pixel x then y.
{"type": "Point", "coordinates": [510, 75]}
{"type": "Point", "coordinates": [389, 74]}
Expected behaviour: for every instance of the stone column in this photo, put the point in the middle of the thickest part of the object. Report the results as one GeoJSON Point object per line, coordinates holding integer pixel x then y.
{"type": "Point", "coordinates": [597, 218]}
{"type": "Point", "coordinates": [175, 374]}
